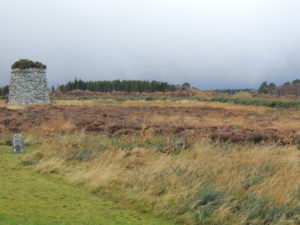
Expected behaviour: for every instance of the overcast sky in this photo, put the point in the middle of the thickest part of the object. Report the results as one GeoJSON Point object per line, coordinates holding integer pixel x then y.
{"type": "Point", "coordinates": [209, 43]}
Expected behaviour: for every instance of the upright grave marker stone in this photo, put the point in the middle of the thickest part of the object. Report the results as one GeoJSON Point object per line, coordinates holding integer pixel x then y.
{"type": "Point", "coordinates": [18, 143]}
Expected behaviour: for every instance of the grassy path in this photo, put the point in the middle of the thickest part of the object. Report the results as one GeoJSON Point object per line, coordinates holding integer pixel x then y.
{"type": "Point", "coordinates": [30, 198]}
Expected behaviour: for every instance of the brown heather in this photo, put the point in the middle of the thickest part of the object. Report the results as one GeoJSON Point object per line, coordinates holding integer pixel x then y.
{"type": "Point", "coordinates": [186, 175]}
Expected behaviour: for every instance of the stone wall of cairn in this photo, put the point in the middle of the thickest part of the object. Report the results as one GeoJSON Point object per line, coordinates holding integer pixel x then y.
{"type": "Point", "coordinates": [28, 86]}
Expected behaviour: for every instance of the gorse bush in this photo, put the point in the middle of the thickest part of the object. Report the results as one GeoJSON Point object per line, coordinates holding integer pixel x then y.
{"type": "Point", "coordinates": [25, 63]}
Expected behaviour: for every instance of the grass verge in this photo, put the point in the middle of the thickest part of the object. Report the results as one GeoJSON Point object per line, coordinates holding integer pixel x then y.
{"type": "Point", "coordinates": [30, 198]}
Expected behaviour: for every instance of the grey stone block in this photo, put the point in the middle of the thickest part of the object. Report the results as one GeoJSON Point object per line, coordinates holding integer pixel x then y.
{"type": "Point", "coordinates": [28, 86]}
{"type": "Point", "coordinates": [18, 143]}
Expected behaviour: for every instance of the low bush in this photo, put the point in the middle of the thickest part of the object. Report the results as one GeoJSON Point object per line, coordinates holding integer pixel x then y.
{"type": "Point", "coordinates": [25, 64]}
{"type": "Point", "coordinates": [243, 95]}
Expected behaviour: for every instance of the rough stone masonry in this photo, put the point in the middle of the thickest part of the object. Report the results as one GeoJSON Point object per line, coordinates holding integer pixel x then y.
{"type": "Point", "coordinates": [18, 143]}
{"type": "Point", "coordinates": [28, 86]}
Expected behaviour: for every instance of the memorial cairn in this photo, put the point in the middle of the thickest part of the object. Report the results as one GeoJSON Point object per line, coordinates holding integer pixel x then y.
{"type": "Point", "coordinates": [28, 83]}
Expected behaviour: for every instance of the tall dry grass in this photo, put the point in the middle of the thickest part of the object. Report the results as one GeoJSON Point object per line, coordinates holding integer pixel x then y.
{"type": "Point", "coordinates": [207, 183]}
{"type": "Point", "coordinates": [2, 102]}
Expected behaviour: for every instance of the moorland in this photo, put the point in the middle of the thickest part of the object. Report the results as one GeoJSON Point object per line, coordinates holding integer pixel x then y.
{"type": "Point", "coordinates": [187, 159]}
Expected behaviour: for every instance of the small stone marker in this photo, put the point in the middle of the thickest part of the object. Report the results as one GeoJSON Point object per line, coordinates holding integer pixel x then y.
{"type": "Point", "coordinates": [18, 143]}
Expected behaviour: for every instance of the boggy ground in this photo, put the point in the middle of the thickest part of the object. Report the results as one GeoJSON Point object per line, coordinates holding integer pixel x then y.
{"type": "Point", "coordinates": [193, 120]}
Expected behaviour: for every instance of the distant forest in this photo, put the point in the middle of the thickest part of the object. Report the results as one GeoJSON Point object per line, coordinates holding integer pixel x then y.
{"type": "Point", "coordinates": [117, 85]}
{"type": "Point", "coordinates": [288, 88]}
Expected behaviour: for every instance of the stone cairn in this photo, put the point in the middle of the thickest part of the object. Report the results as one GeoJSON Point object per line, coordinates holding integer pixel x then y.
{"type": "Point", "coordinates": [28, 86]}
{"type": "Point", "coordinates": [18, 143]}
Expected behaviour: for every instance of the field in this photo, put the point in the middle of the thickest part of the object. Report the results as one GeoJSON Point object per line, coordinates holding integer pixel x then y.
{"type": "Point", "coordinates": [192, 161]}
{"type": "Point", "coordinates": [190, 119]}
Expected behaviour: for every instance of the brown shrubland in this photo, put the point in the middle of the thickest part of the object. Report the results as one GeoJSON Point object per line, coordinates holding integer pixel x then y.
{"type": "Point", "coordinates": [199, 162]}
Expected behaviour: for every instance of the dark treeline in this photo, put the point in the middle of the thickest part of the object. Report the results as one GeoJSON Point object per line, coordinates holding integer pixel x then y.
{"type": "Point", "coordinates": [4, 90]}
{"type": "Point", "coordinates": [117, 85]}
{"type": "Point", "coordinates": [233, 91]}
{"type": "Point", "coordinates": [289, 88]}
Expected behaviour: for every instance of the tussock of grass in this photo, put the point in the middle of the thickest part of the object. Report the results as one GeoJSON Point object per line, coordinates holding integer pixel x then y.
{"type": "Point", "coordinates": [2, 100]}
{"type": "Point", "coordinates": [5, 140]}
{"type": "Point", "coordinates": [207, 183]}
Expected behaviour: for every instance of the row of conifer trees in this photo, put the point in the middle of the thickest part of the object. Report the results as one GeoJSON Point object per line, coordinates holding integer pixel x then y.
{"type": "Point", "coordinates": [4, 90]}
{"type": "Point", "coordinates": [117, 85]}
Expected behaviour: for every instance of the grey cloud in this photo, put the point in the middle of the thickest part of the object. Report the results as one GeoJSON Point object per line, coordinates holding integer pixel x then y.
{"type": "Point", "coordinates": [209, 43]}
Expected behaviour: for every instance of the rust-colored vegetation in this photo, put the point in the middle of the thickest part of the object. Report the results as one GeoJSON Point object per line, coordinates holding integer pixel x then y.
{"type": "Point", "coordinates": [191, 119]}
{"type": "Point", "coordinates": [198, 162]}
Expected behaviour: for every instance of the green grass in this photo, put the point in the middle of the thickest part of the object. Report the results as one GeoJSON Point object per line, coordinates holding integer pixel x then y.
{"type": "Point", "coordinates": [276, 103]}
{"type": "Point", "coordinates": [114, 98]}
{"type": "Point", "coordinates": [257, 102]}
{"type": "Point", "coordinates": [30, 198]}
